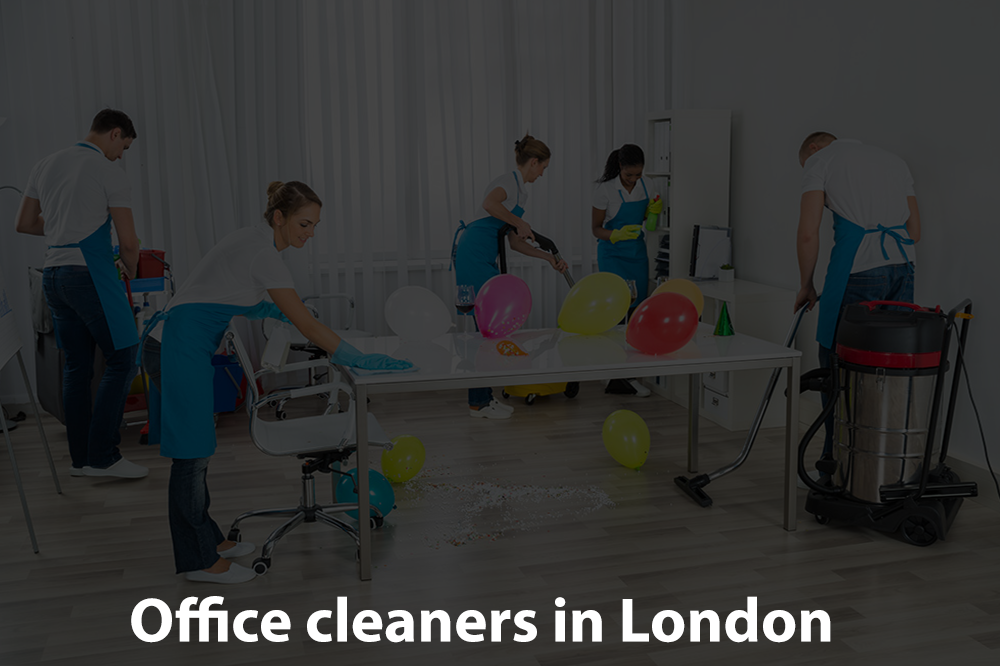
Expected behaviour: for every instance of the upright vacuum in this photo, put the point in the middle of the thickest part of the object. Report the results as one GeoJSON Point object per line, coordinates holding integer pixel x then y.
{"type": "Point", "coordinates": [884, 390]}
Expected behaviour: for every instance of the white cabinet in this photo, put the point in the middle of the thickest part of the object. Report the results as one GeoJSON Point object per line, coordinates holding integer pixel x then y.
{"type": "Point", "coordinates": [687, 164]}
{"type": "Point", "coordinates": [731, 399]}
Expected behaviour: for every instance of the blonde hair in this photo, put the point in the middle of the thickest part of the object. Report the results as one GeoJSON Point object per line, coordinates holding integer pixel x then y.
{"type": "Point", "coordinates": [529, 147]}
{"type": "Point", "coordinates": [288, 198]}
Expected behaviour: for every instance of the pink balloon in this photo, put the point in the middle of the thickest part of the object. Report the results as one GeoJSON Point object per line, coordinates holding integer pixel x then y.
{"type": "Point", "coordinates": [502, 305]}
{"type": "Point", "coordinates": [662, 323]}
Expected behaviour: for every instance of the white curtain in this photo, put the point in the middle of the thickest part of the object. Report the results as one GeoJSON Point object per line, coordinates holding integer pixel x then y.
{"type": "Point", "coordinates": [398, 113]}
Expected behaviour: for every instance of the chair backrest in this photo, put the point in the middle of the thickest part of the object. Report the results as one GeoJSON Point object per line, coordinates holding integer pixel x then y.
{"type": "Point", "coordinates": [235, 344]}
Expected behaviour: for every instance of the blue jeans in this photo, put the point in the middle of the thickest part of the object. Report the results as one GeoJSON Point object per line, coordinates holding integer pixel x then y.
{"type": "Point", "coordinates": [194, 534]}
{"type": "Point", "coordinates": [886, 283]}
{"type": "Point", "coordinates": [480, 397]}
{"type": "Point", "coordinates": [92, 423]}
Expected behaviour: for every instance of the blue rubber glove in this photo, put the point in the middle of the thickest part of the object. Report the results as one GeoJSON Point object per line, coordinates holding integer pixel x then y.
{"type": "Point", "coordinates": [348, 355]}
{"type": "Point", "coordinates": [266, 309]}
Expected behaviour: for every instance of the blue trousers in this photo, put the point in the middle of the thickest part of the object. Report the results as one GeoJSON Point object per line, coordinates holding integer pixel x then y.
{"type": "Point", "coordinates": [194, 534]}
{"type": "Point", "coordinates": [886, 283]}
{"type": "Point", "coordinates": [92, 422]}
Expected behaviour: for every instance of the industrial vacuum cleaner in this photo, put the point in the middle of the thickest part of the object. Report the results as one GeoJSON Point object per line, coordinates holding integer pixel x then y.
{"type": "Point", "coordinates": [884, 391]}
{"type": "Point", "coordinates": [530, 392]}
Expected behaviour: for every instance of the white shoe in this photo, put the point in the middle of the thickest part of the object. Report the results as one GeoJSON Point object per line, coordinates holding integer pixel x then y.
{"type": "Point", "coordinates": [640, 389]}
{"type": "Point", "coordinates": [501, 405]}
{"type": "Point", "coordinates": [78, 471]}
{"type": "Point", "coordinates": [491, 411]}
{"type": "Point", "coordinates": [239, 550]}
{"type": "Point", "coordinates": [122, 469]}
{"type": "Point", "coordinates": [236, 574]}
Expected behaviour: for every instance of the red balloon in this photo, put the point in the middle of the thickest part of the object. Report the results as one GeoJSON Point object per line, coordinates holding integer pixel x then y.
{"type": "Point", "coordinates": [662, 323]}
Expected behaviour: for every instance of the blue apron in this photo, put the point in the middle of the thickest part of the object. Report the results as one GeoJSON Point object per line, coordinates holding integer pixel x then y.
{"type": "Point", "coordinates": [474, 253]}
{"type": "Point", "coordinates": [847, 237]}
{"type": "Point", "coordinates": [96, 249]}
{"type": "Point", "coordinates": [627, 258]}
{"type": "Point", "coordinates": [185, 427]}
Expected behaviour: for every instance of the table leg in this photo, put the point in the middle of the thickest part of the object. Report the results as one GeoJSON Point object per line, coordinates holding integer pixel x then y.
{"type": "Point", "coordinates": [694, 402]}
{"type": "Point", "coordinates": [792, 444]}
{"type": "Point", "coordinates": [364, 499]}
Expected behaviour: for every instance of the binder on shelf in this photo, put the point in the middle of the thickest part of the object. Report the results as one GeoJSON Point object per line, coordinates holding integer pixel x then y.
{"type": "Point", "coordinates": [710, 249]}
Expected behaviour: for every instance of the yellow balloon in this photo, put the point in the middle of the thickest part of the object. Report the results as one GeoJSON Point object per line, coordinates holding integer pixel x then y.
{"type": "Point", "coordinates": [595, 304]}
{"type": "Point", "coordinates": [626, 437]}
{"type": "Point", "coordinates": [405, 458]}
{"type": "Point", "coordinates": [684, 288]}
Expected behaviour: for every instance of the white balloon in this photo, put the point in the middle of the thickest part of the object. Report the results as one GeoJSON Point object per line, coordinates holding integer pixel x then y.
{"type": "Point", "coordinates": [416, 313]}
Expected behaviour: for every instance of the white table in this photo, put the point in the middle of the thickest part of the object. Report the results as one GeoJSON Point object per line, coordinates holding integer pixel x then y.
{"type": "Point", "coordinates": [455, 362]}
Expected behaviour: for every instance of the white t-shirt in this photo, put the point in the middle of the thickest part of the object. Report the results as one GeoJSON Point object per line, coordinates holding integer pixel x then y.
{"type": "Point", "coordinates": [75, 188]}
{"type": "Point", "coordinates": [868, 186]}
{"type": "Point", "coordinates": [606, 195]}
{"type": "Point", "coordinates": [513, 185]}
{"type": "Point", "coordinates": [237, 271]}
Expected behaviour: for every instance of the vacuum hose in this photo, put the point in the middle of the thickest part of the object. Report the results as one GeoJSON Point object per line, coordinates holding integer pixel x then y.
{"type": "Point", "coordinates": [833, 391]}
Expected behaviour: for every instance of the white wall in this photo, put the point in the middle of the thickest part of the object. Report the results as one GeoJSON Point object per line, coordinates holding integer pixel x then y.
{"type": "Point", "coordinates": [915, 77]}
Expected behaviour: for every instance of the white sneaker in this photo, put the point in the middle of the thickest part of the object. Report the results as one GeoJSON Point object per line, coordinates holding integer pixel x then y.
{"type": "Point", "coordinates": [78, 471]}
{"type": "Point", "coordinates": [122, 469]}
{"type": "Point", "coordinates": [491, 411]}
{"type": "Point", "coordinates": [239, 550]}
{"type": "Point", "coordinates": [640, 389]}
{"type": "Point", "coordinates": [501, 405]}
{"type": "Point", "coordinates": [236, 574]}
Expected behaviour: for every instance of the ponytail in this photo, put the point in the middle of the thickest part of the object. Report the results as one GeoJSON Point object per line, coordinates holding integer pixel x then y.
{"type": "Point", "coordinates": [530, 147]}
{"type": "Point", "coordinates": [626, 156]}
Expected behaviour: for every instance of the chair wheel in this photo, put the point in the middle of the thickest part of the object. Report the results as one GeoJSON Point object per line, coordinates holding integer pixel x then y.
{"type": "Point", "coordinates": [280, 414]}
{"type": "Point", "coordinates": [572, 389]}
{"type": "Point", "coordinates": [822, 520]}
{"type": "Point", "coordinates": [530, 398]}
{"type": "Point", "coordinates": [377, 522]}
{"type": "Point", "coordinates": [505, 394]}
{"type": "Point", "coordinates": [234, 535]}
{"type": "Point", "coordinates": [261, 565]}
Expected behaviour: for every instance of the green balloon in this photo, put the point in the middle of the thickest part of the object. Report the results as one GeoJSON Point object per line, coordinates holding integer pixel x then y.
{"type": "Point", "coordinates": [404, 460]}
{"type": "Point", "coordinates": [626, 437]}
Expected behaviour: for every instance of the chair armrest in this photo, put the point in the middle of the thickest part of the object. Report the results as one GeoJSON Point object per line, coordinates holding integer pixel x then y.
{"type": "Point", "coordinates": [290, 394]}
{"type": "Point", "coordinates": [337, 296]}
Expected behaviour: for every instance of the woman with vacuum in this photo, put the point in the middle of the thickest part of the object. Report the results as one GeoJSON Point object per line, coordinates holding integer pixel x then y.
{"type": "Point", "coordinates": [475, 251]}
{"type": "Point", "coordinates": [619, 207]}
{"type": "Point", "coordinates": [232, 279]}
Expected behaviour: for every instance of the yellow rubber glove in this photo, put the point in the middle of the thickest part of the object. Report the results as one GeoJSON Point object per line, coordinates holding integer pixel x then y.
{"type": "Point", "coordinates": [655, 206]}
{"type": "Point", "coordinates": [628, 232]}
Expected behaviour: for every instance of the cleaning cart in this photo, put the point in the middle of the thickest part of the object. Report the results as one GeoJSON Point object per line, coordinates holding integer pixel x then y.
{"type": "Point", "coordinates": [532, 391]}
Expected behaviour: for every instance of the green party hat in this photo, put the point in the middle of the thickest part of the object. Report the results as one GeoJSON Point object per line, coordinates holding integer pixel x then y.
{"type": "Point", "coordinates": [725, 325]}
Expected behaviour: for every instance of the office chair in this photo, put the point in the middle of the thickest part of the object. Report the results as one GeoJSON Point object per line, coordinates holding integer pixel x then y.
{"type": "Point", "coordinates": [322, 442]}
{"type": "Point", "coordinates": [291, 340]}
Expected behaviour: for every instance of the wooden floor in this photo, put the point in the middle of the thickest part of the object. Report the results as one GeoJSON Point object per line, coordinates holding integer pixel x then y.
{"type": "Point", "coordinates": [505, 515]}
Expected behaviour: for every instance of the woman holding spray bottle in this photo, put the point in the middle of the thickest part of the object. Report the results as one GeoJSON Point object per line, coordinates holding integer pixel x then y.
{"type": "Point", "coordinates": [619, 208]}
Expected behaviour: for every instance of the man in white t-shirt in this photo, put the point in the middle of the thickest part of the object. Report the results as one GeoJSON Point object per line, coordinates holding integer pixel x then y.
{"type": "Point", "coordinates": [73, 198]}
{"type": "Point", "coordinates": [876, 224]}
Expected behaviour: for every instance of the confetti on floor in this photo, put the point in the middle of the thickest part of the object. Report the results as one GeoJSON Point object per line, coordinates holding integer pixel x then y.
{"type": "Point", "coordinates": [484, 510]}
